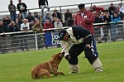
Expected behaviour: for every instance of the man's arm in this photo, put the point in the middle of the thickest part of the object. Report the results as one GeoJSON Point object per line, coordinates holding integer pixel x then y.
{"type": "Point", "coordinates": [90, 18]}
{"type": "Point", "coordinates": [65, 47]}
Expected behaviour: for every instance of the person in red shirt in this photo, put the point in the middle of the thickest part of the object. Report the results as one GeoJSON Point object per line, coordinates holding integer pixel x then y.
{"type": "Point", "coordinates": [48, 24]}
{"type": "Point", "coordinates": [97, 9]}
{"type": "Point", "coordinates": [86, 19]}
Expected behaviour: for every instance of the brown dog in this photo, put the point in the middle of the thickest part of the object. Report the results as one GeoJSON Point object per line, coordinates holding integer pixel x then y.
{"type": "Point", "coordinates": [47, 68]}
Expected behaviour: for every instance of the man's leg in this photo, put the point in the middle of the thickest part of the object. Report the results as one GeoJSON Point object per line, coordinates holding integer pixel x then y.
{"type": "Point", "coordinates": [95, 47]}
{"type": "Point", "coordinates": [11, 16]}
{"type": "Point", "coordinates": [74, 51]}
{"type": "Point", "coordinates": [42, 9]}
{"type": "Point", "coordinates": [93, 58]}
{"type": "Point", "coordinates": [23, 16]}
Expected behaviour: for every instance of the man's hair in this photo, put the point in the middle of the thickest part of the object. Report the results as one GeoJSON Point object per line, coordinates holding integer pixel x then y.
{"type": "Point", "coordinates": [80, 6]}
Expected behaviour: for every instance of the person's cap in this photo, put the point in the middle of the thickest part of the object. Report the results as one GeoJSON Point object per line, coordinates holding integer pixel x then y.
{"type": "Point", "coordinates": [55, 9]}
{"type": "Point", "coordinates": [62, 34]}
{"type": "Point", "coordinates": [80, 6]}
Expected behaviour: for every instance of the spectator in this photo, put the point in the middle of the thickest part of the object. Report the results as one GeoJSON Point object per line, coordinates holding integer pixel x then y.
{"type": "Point", "coordinates": [54, 20]}
{"type": "Point", "coordinates": [23, 39]}
{"type": "Point", "coordinates": [12, 10]}
{"type": "Point", "coordinates": [36, 15]}
{"type": "Point", "coordinates": [97, 9]}
{"type": "Point", "coordinates": [48, 24]}
{"type": "Point", "coordinates": [86, 19]}
{"type": "Point", "coordinates": [14, 38]}
{"type": "Point", "coordinates": [37, 27]}
{"type": "Point", "coordinates": [30, 19]}
{"type": "Point", "coordinates": [25, 25]}
{"type": "Point", "coordinates": [98, 19]}
{"type": "Point", "coordinates": [68, 16]}
{"type": "Point", "coordinates": [115, 18]}
{"type": "Point", "coordinates": [58, 23]}
{"type": "Point", "coordinates": [13, 27]}
{"type": "Point", "coordinates": [3, 29]}
{"type": "Point", "coordinates": [6, 22]}
{"type": "Point", "coordinates": [22, 8]}
{"type": "Point", "coordinates": [43, 4]}
{"type": "Point", "coordinates": [56, 14]}
{"type": "Point", "coordinates": [19, 20]}
{"type": "Point", "coordinates": [3, 45]}
{"type": "Point", "coordinates": [121, 7]}
{"type": "Point", "coordinates": [46, 16]}
{"type": "Point", "coordinates": [107, 19]}
{"type": "Point", "coordinates": [111, 9]}
{"type": "Point", "coordinates": [91, 9]}
{"type": "Point", "coordinates": [119, 12]}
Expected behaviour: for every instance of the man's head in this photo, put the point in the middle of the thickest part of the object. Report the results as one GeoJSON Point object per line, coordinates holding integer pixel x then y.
{"type": "Point", "coordinates": [63, 35]}
{"type": "Point", "coordinates": [25, 21]}
{"type": "Point", "coordinates": [19, 1]}
{"type": "Point", "coordinates": [11, 1]}
{"type": "Point", "coordinates": [81, 7]}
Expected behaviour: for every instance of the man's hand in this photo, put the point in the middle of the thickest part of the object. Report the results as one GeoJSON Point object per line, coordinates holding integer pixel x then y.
{"type": "Point", "coordinates": [88, 46]}
{"type": "Point", "coordinates": [68, 57]}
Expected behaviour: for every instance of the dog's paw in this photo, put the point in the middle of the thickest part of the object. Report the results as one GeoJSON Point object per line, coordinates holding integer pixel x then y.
{"type": "Point", "coordinates": [63, 74]}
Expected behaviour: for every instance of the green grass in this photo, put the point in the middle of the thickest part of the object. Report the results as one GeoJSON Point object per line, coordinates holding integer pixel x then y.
{"type": "Point", "coordinates": [16, 67]}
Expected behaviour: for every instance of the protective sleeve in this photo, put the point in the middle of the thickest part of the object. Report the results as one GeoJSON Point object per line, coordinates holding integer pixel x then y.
{"type": "Point", "coordinates": [65, 47]}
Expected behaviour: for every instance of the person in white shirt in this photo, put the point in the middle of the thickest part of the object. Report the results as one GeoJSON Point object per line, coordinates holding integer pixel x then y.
{"type": "Point", "coordinates": [23, 39]}
{"type": "Point", "coordinates": [58, 23]}
{"type": "Point", "coordinates": [121, 7]}
{"type": "Point", "coordinates": [25, 25]}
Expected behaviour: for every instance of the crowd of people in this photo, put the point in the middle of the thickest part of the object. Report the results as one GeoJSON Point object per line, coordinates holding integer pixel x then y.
{"type": "Point", "coordinates": [25, 21]}
{"type": "Point", "coordinates": [55, 20]}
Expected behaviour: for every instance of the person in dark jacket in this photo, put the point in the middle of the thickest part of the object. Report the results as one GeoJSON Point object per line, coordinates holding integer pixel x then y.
{"type": "Point", "coordinates": [12, 10]}
{"type": "Point", "coordinates": [14, 37]}
{"type": "Point", "coordinates": [57, 14]}
{"type": "Point", "coordinates": [3, 30]}
{"type": "Point", "coordinates": [74, 41]}
{"type": "Point", "coordinates": [43, 4]}
{"type": "Point", "coordinates": [22, 8]}
{"type": "Point", "coordinates": [68, 16]}
{"type": "Point", "coordinates": [107, 19]}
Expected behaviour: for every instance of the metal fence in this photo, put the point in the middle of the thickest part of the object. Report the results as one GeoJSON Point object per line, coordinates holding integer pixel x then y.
{"type": "Point", "coordinates": [24, 41]}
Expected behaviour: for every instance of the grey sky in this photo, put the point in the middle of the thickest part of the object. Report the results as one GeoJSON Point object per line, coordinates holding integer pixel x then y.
{"type": "Point", "coordinates": [34, 3]}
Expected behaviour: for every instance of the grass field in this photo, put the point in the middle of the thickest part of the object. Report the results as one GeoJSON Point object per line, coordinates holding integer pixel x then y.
{"type": "Point", "coordinates": [16, 67]}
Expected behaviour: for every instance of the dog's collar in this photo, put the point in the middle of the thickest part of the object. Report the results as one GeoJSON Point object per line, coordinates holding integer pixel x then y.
{"type": "Point", "coordinates": [51, 70]}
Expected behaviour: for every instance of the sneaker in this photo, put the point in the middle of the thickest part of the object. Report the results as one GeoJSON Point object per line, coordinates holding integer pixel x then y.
{"type": "Point", "coordinates": [98, 70]}
{"type": "Point", "coordinates": [73, 72]}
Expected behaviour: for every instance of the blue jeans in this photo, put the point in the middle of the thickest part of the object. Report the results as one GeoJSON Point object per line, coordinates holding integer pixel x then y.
{"type": "Point", "coordinates": [13, 16]}
{"type": "Point", "coordinates": [114, 33]}
{"type": "Point", "coordinates": [24, 14]}
{"type": "Point", "coordinates": [94, 46]}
